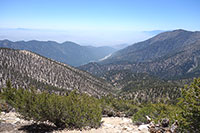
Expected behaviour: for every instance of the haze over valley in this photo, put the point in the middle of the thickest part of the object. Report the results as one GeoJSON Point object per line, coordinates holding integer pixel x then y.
{"type": "Point", "coordinates": [100, 66]}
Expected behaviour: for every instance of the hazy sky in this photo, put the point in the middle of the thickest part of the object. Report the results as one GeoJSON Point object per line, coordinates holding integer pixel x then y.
{"type": "Point", "coordinates": [96, 21]}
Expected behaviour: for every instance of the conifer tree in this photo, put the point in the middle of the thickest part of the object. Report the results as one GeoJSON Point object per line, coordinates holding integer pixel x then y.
{"type": "Point", "coordinates": [190, 104]}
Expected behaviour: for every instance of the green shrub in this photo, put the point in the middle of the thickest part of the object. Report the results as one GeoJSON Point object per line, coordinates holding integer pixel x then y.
{"type": "Point", "coordinates": [112, 106]}
{"type": "Point", "coordinates": [71, 111]}
{"type": "Point", "coordinates": [156, 112]}
{"type": "Point", "coordinates": [133, 109]}
{"type": "Point", "coordinates": [106, 106]}
{"type": "Point", "coordinates": [3, 104]}
{"type": "Point", "coordinates": [1, 101]}
{"type": "Point", "coordinates": [189, 117]}
{"type": "Point", "coordinates": [187, 111]}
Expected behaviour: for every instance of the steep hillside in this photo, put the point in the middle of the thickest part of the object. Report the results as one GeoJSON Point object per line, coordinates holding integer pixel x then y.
{"type": "Point", "coordinates": [67, 52]}
{"type": "Point", "coordinates": [163, 44]}
{"type": "Point", "coordinates": [25, 68]}
{"type": "Point", "coordinates": [154, 69]}
{"type": "Point", "coordinates": [137, 81]}
{"type": "Point", "coordinates": [141, 87]}
{"type": "Point", "coordinates": [169, 55]}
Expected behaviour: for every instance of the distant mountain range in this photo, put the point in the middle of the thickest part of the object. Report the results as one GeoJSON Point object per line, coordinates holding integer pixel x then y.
{"type": "Point", "coordinates": [26, 69]}
{"type": "Point", "coordinates": [169, 55]}
{"type": "Point", "coordinates": [159, 46]}
{"type": "Point", "coordinates": [120, 46]}
{"type": "Point", "coordinates": [146, 71]}
{"type": "Point", "coordinates": [67, 52]}
{"type": "Point", "coordinates": [153, 69]}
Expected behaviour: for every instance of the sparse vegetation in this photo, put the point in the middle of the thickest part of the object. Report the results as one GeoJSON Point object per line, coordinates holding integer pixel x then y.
{"type": "Point", "coordinates": [27, 69]}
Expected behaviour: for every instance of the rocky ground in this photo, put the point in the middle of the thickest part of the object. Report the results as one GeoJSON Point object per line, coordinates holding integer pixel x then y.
{"type": "Point", "coordinates": [11, 123]}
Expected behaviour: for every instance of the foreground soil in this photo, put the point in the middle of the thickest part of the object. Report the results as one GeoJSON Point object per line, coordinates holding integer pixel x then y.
{"type": "Point", "coordinates": [11, 123]}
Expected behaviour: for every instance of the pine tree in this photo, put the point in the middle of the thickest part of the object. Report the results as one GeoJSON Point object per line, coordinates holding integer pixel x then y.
{"type": "Point", "coordinates": [190, 104]}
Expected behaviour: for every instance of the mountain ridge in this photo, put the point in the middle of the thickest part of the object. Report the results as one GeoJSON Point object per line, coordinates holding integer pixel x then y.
{"type": "Point", "coordinates": [169, 55]}
{"type": "Point", "coordinates": [66, 52]}
{"type": "Point", "coordinates": [25, 68]}
{"type": "Point", "coordinates": [155, 47]}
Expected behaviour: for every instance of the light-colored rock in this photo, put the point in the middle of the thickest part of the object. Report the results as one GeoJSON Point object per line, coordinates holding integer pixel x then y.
{"type": "Point", "coordinates": [143, 127]}
{"type": "Point", "coordinates": [3, 113]}
{"type": "Point", "coordinates": [110, 125]}
{"type": "Point", "coordinates": [12, 118]}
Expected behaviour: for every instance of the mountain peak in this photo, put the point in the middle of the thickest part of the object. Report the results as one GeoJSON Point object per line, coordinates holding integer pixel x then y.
{"type": "Point", "coordinates": [170, 55]}
{"type": "Point", "coordinates": [155, 47]}
{"type": "Point", "coordinates": [180, 30]}
{"type": "Point", "coordinates": [69, 42]}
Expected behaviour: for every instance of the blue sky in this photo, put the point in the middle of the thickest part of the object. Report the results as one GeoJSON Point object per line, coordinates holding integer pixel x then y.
{"type": "Point", "coordinates": [92, 18]}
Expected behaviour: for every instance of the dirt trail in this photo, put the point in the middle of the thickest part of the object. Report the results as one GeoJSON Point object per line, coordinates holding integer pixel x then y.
{"type": "Point", "coordinates": [10, 123]}
{"type": "Point", "coordinates": [112, 125]}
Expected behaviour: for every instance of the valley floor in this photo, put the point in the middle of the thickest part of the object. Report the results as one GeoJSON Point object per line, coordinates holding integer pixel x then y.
{"type": "Point", "coordinates": [10, 123]}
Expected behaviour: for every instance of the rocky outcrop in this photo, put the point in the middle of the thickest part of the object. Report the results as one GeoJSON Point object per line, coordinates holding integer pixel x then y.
{"type": "Point", "coordinates": [163, 127]}
{"type": "Point", "coordinates": [10, 122]}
